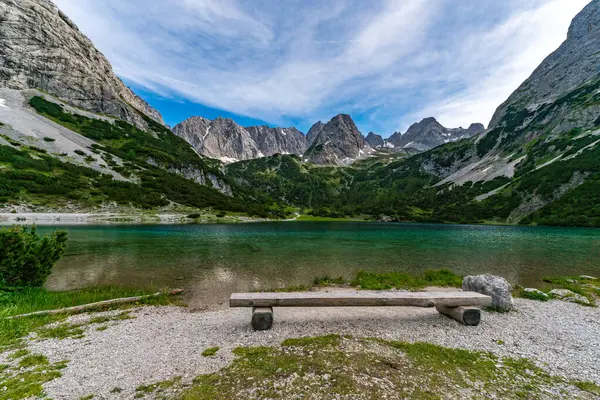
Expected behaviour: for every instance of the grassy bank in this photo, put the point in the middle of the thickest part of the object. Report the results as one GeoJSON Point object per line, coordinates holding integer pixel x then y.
{"type": "Point", "coordinates": [384, 281]}
{"type": "Point", "coordinates": [37, 299]}
{"type": "Point", "coordinates": [361, 368]}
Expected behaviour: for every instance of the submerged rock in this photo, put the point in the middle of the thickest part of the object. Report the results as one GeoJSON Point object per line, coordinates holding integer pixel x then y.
{"type": "Point", "coordinates": [567, 295]}
{"type": "Point", "coordinates": [495, 286]}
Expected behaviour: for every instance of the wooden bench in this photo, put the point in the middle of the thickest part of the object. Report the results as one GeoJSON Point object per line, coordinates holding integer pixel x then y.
{"type": "Point", "coordinates": [456, 304]}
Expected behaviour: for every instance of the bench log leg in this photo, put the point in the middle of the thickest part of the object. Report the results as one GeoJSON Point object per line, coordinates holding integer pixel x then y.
{"type": "Point", "coordinates": [262, 318]}
{"type": "Point", "coordinates": [465, 315]}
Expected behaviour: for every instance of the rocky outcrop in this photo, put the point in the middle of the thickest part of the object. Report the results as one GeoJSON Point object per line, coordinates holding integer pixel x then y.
{"type": "Point", "coordinates": [339, 142]}
{"type": "Point", "coordinates": [374, 140]}
{"type": "Point", "coordinates": [272, 141]}
{"type": "Point", "coordinates": [221, 138]}
{"type": "Point", "coordinates": [429, 133]}
{"type": "Point", "coordinates": [314, 132]}
{"type": "Point", "coordinates": [574, 64]}
{"type": "Point", "coordinates": [495, 286]}
{"type": "Point", "coordinates": [42, 48]}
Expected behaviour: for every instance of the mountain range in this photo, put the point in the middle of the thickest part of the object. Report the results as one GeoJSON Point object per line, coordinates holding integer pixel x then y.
{"type": "Point", "coordinates": [74, 137]}
{"type": "Point", "coordinates": [337, 142]}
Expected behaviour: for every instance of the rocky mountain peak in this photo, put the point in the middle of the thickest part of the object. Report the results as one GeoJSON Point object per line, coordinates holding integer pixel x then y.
{"type": "Point", "coordinates": [339, 142]}
{"type": "Point", "coordinates": [314, 131]}
{"type": "Point", "coordinates": [43, 49]}
{"type": "Point", "coordinates": [278, 140]}
{"type": "Point", "coordinates": [429, 133]}
{"type": "Point", "coordinates": [573, 64]}
{"type": "Point", "coordinates": [374, 140]}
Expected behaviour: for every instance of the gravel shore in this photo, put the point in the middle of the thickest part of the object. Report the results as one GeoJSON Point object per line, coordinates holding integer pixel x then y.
{"type": "Point", "coordinates": [164, 342]}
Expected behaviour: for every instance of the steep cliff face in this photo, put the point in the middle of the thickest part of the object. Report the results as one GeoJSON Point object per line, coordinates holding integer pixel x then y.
{"type": "Point", "coordinates": [374, 140]}
{"type": "Point", "coordinates": [314, 132]}
{"type": "Point", "coordinates": [575, 64]}
{"type": "Point", "coordinates": [278, 140]}
{"type": "Point", "coordinates": [221, 138]}
{"type": "Point", "coordinates": [42, 48]}
{"type": "Point", "coordinates": [339, 142]}
{"type": "Point", "coordinates": [429, 133]}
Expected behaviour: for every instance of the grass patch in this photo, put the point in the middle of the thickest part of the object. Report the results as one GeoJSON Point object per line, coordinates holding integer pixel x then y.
{"type": "Point", "coordinates": [33, 360]}
{"type": "Point", "coordinates": [329, 281]}
{"type": "Point", "coordinates": [28, 383]}
{"type": "Point", "coordinates": [339, 367]}
{"type": "Point", "coordinates": [38, 299]}
{"type": "Point", "coordinates": [401, 280]}
{"type": "Point", "coordinates": [143, 390]}
{"type": "Point", "coordinates": [62, 331]}
{"type": "Point", "coordinates": [586, 386]}
{"type": "Point", "coordinates": [383, 281]}
{"type": "Point", "coordinates": [210, 352]}
{"type": "Point", "coordinates": [18, 354]}
{"type": "Point", "coordinates": [533, 295]}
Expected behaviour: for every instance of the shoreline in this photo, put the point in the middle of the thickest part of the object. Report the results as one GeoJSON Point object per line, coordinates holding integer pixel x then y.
{"type": "Point", "coordinates": [175, 339]}
{"type": "Point", "coordinates": [49, 219]}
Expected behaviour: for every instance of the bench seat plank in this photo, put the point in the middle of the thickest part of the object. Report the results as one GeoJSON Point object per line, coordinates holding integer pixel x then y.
{"type": "Point", "coordinates": [362, 298]}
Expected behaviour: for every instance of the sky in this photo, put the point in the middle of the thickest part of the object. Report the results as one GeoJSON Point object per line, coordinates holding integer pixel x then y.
{"type": "Point", "coordinates": [387, 63]}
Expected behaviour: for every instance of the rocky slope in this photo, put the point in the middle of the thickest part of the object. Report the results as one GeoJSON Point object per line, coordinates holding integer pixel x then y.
{"type": "Point", "coordinates": [339, 142]}
{"type": "Point", "coordinates": [42, 48]}
{"type": "Point", "coordinates": [574, 64]}
{"type": "Point", "coordinates": [221, 138]}
{"type": "Point", "coordinates": [374, 140]}
{"type": "Point", "coordinates": [278, 140]}
{"type": "Point", "coordinates": [429, 133]}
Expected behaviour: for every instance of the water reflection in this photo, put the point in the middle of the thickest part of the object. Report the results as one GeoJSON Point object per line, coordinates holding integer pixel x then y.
{"type": "Point", "coordinates": [215, 260]}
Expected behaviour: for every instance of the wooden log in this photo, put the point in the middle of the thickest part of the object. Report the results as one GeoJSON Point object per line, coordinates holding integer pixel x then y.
{"type": "Point", "coordinates": [465, 315]}
{"type": "Point", "coordinates": [98, 304]}
{"type": "Point", "coordinates": [262, 318]}
{"type": "Point", "coordinates": [359, 299]}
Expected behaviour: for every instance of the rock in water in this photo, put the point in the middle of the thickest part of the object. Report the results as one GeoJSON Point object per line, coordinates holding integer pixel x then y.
{"type": "Point", "coordinates": [495, 286]}
{"type": "Point", "coordinates": [42, 48]}
{"type": "Point", "coordinates": [567, 295]}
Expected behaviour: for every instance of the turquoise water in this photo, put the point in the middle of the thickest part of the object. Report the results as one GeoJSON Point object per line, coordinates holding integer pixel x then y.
{"type": "Point", "coordinates": [211, 261]}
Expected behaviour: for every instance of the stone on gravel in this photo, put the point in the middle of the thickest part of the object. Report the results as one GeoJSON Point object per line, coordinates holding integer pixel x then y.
{"type": "Point", "coordinates": [495, 286]}
{"type": "Point", "coordinates": [567, 295]}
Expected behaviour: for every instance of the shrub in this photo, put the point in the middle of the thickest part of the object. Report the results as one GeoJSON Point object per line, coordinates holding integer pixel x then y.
{"type": "Point", "coordinates": [221, 214]}
{"type": "Point", "coordinates": [194, 215]}
{"type": "Point", "coordinates": [49, 139]}
{"type": "Point", "coordinates": [26, 259]}
{"type": "Point", "coordinates": [80, 152]}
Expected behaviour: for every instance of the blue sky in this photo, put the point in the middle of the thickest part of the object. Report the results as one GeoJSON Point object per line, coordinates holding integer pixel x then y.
{"type": "Point", "coordinates": [388, 63]}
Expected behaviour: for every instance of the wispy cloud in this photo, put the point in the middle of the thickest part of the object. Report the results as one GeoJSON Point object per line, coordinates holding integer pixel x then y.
{"type": "Point", "coordinates": [388, 62]}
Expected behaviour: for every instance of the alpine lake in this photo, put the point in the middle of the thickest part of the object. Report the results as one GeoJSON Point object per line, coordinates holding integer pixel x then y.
{"type": "Point", "coordinates": [211, 261]}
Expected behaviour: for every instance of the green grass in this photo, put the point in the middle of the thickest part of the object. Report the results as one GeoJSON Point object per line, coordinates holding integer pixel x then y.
{"type": "Point", "coordinates": [26, 379]}
{"type": "Point", "coordinates": [38, 299]}
{"type": "Point", "coordinates": [210, 352]}
{"type": "Point", "coordinates": [342, 367]}
{"type": "Point", "coordinates": [587, 386]}
{"type": "Point", "coordinates": [533, 295]}
{"type": "Point", "coordinates": [326, 280]}
{"type": "Point", "coordinates": [383, 281]}
{"type": "Point", "coordinates": [143, 390]}
{"type": "Point", "coordinates": [400, 280]}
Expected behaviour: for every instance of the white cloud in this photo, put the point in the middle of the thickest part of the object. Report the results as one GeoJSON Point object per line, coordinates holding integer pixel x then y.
{"type": "Point", "coordinates": [389, 62]}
